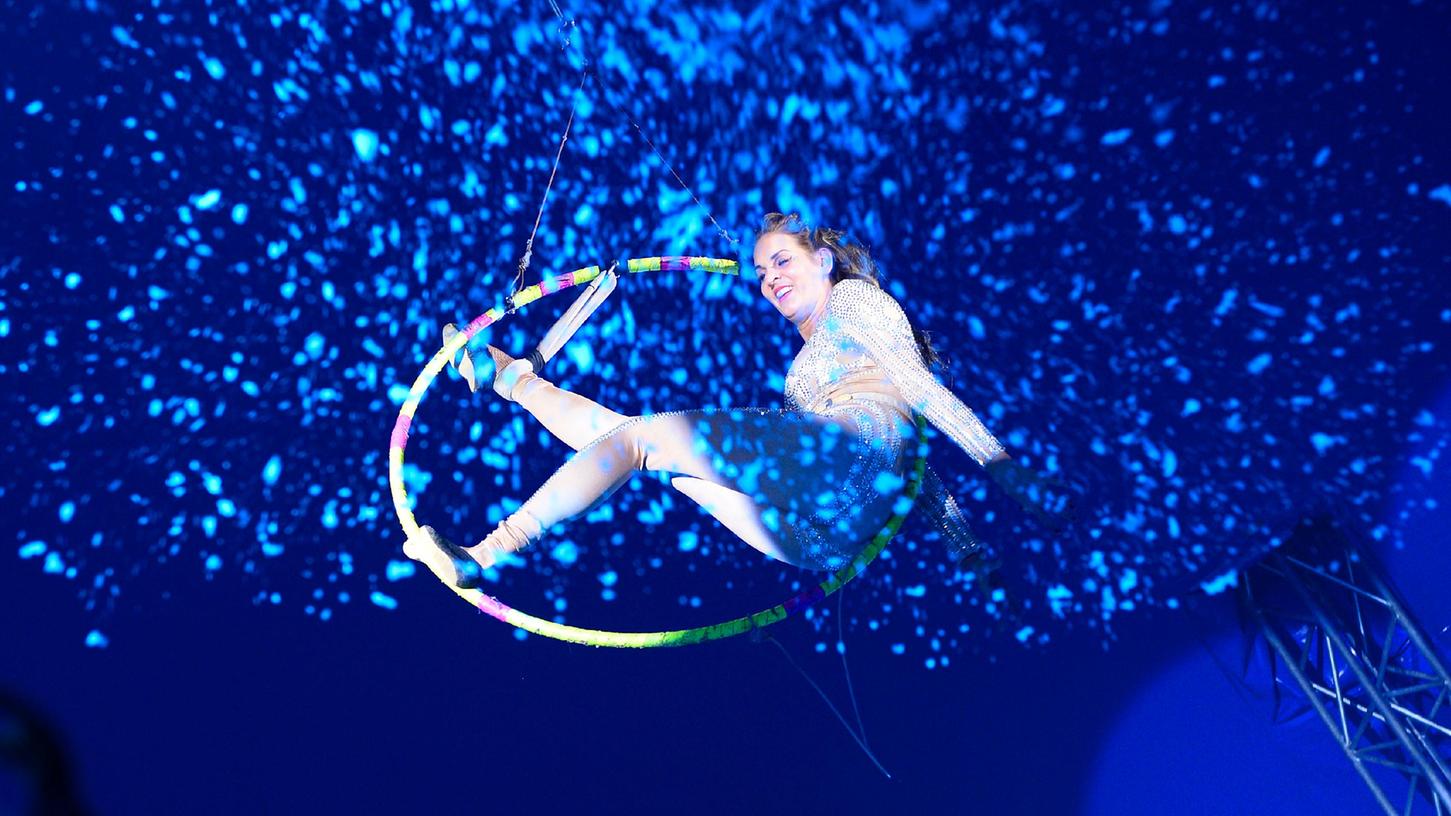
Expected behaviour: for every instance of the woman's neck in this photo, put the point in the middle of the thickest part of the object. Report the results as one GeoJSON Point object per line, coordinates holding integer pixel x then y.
{"type": "Point", "coordinates": [808, 325]}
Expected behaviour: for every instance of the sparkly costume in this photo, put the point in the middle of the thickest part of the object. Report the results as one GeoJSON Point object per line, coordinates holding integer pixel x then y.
{"type": "Point", "coordinates": [865, 346]}
{"type": "Point", "coordinates": [864, 355]}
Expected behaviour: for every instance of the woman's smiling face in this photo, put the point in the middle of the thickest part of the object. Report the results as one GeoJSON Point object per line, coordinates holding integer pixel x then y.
{"type": "Point", "coordinates": [794, 280]}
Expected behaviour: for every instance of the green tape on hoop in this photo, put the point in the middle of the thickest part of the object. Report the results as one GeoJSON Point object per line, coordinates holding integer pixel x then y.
{"type": "Point", "coordinates": [598, 637]}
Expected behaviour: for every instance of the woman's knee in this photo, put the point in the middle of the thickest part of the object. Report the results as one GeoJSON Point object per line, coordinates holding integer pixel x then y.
{"type": "Point", "coordinates": [677, 442]}
{"type": "Point", "coordinates": [632, 440]}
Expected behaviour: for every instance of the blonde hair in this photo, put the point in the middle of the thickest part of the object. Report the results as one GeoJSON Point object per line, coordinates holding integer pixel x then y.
{"type": "Point", "coordinates": [850, 261]}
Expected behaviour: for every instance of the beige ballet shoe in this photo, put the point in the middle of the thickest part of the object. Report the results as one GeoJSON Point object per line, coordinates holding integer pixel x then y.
{"type": "Point", "coordinates": [509, 374]}
{"type": "Point", "coordinates": [464, 366]}
{"type": "Point", "coordinates": [450, 562]}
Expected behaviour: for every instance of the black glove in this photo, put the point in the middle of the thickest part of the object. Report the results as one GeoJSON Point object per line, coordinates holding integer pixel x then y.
{"type": "Point", "coordinates": [982, 566]}
{"type": "Point", "coordinates": [1046, 500]}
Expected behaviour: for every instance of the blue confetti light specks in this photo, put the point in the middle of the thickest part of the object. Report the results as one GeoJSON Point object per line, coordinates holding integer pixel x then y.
{"type": "Point", "coordinates": [1060, 599]}
{"type": "Point", "coordinates": [314, 344]}
{"type": "Point", "coordinates": [975, 328]}
{"type": "Point", "coordinates": [214, 67]}
{"type": "Point", "coordinates": [96, 640]}
{"type": "Point", "coordinates": [123, 37]}
{"type": "Point", "coordinates": [1116, 137]}
{"type": "Point", "coordinates": [330, 518]}
{"type": "Point", "coordinates": [1220, 583]}
{"type": "Point", "coordinates": [565, 552]}
{"type": "Point", "coordinates": [383, 600]}
{"type": "Point", "coordinates": [277, 224]}
{"type": "Point", "coordinates": [581, 355]}
{"type": "Point", "coordinates": [1170, 464]}
{"type": "Point", "coordinates": [887, 483]}
{"type": "Point", "coordinates": [365, 143]}
{"type": "Point", "coordinates": [272, 470]}
{"type": "Point", "coordinates": [1323, 441]}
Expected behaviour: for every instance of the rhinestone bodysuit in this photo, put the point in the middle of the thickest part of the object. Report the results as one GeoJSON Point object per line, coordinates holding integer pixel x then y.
{"type": "Point", "coordinates": [865, 339]}
{"type": "Point", "coordinates": [863, 359]}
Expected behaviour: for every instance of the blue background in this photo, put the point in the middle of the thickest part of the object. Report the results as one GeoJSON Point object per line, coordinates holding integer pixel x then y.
{"type": "Point", "coordinates": [1188, 259]}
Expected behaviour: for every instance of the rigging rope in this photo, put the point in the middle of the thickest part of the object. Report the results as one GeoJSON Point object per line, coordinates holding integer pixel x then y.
{"type": "Point", "coordinates": [569, 123]}
{"type": "Point", "coordinates": [567, 24]}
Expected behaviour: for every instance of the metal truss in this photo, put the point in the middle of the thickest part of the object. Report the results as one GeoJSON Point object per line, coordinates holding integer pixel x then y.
{"type": "Point", "coordinates": [1358, 657]}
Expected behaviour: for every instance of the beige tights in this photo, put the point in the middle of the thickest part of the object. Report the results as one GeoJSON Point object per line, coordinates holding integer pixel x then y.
{"type": "Point", "coordinates": [771, 477]}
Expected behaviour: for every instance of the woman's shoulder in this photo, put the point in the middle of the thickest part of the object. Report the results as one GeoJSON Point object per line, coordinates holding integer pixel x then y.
{"type": "Point", "coordinates": [855, 296]}
{"type": "Point", "coordinates": [855, 284]}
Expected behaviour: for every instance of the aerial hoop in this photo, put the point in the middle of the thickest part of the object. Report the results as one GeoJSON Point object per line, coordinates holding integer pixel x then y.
{"type": "Point", "coordinates": [597, 637]}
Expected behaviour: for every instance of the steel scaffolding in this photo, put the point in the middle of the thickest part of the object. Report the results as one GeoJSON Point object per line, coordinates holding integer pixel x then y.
{"type": "Point", "coordinates": [1358, 657]}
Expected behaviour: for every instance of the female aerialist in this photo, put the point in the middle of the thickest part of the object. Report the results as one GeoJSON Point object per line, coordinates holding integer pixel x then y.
{"type": "Point", "coordinates": [808, 485]}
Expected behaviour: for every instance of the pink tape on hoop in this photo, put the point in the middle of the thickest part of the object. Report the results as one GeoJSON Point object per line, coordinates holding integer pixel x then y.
{"type": "Point", "coordinates": [400, 431]}
{"type": "Point", "coordinates": [478, 324]}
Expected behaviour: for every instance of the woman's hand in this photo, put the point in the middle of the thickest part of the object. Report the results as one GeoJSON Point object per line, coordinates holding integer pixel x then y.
{"type": "Point", "coordinates": [982, 568]}
{"type": "Point", "coordinates": [1046, 500]}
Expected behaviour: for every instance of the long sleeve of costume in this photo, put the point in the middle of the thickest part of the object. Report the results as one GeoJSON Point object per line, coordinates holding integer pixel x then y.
{"type": "Point", "coordinates": [944, 514]}
{"type": "Point", "coordinates": [873, 320]}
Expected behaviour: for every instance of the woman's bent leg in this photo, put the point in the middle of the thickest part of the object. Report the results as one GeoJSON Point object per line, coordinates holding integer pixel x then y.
{"type": "Point", "coordinates": [578, 421]}
{"type": "Point", "coordinates": [742, 516]}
